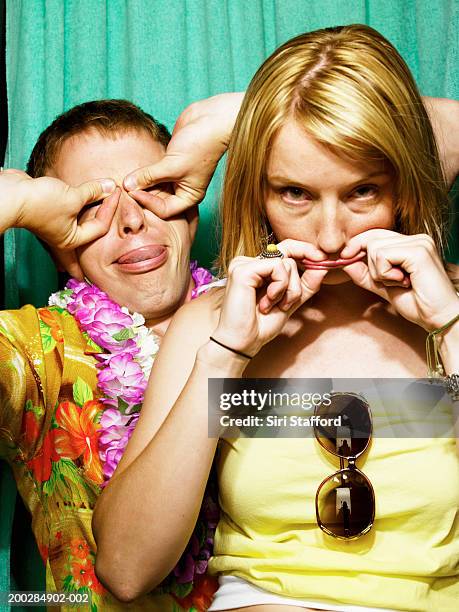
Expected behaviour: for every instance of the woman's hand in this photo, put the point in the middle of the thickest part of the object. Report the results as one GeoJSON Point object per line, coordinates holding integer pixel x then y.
{"type": "Point", "coordinates": [199, 139]}
{"type": "Point", "coordinates": [408, 272]}
{"type": "Point", "coordinates": [261, 295]}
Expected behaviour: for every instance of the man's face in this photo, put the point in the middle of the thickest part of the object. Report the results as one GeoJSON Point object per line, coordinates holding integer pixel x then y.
{"type": "Point", "coordinates": [142, 262]}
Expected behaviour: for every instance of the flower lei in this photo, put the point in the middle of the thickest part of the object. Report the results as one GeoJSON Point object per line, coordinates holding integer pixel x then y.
{"type": "Point", "coordinates": [125, 350]}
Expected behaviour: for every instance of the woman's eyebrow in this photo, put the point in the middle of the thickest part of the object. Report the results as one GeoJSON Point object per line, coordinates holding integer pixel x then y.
{"type": "Point", "coordinates": [278, 178]}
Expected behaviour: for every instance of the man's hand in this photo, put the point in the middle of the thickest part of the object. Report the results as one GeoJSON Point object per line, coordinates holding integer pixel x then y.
{"type": "Point", "coordinates": [199, 140]}
{"type": "Point", "coordinates": [50, 209]}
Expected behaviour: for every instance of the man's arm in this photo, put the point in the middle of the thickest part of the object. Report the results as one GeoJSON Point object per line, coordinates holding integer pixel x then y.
{"type": "Point", "coordinates": [50, 209]}
{"type": "Point", "coordinates": [200, 138]}
{"type": "Point", "coordinates": [444, 115]}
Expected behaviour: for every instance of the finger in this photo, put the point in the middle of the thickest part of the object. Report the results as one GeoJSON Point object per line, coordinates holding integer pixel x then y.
{"type": "Point", "coordinates": [166, 170]}
{"type": "Point", "coordinates": [394, 261]}
{"type": "Point", "coordinates": [360, 275]}
{"type": "Point", "coordinates": [276, 287]}
{"type": "Point", "coordinates": [298, 250]}
{"type": "Point", "coordinates": [360, 242]}
{"type": "Point", "coordinates": [405, 283]}
{"type": "Point", "coordinates": [247, 275]}
{"type": "Point", "coordinates": [91, 191]}
{"type": "Point", "coordinates": [20, 173]}
{"type": "Point", "coordinates": [163, 206]}
{"type": "Point", "coordinates": [95, 228]}
{"type": "Point", "coordinates": [294, 292]}
{"type": "Point", "coordinates": [311, 281]}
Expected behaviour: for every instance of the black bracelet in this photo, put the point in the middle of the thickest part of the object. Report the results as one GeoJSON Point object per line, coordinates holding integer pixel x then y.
{"type": "Point", "coordinates": [230, 349]}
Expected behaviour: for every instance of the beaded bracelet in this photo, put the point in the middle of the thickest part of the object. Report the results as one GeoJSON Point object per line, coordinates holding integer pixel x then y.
{"type": "Point", "coordinates": [434, 366]}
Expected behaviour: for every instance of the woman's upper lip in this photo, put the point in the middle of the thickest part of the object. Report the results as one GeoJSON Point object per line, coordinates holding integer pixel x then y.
{"type": "Point", "coordinates": [149, 251]}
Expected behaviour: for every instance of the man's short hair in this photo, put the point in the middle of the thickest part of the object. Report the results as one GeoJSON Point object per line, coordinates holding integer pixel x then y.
{"type": "Point", "coordinates": [108, 117]}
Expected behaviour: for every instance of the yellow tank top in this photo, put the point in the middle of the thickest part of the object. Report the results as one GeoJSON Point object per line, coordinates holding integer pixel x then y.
{"type": "Point", "coordinates": [268, 533]}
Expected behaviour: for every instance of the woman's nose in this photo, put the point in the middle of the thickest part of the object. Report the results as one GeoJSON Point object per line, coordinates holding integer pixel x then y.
{"type": "Point", "coordinates": [130, 216]}
{"type": "Point", "coordinates": [330, 229]}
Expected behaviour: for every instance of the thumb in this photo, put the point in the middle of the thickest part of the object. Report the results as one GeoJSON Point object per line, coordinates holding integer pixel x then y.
{"type": "Point", "coordinates": [166, 170]}
{"type": "Point", "coordinates": [91, 191]}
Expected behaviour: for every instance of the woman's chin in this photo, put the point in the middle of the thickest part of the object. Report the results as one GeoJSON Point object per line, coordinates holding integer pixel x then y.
{"type": "Point", "coordinates": [336, 277]}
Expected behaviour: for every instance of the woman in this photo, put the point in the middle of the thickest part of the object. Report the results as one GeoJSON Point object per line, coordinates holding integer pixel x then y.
{"type": "Point", "coordinates": [332, 152]}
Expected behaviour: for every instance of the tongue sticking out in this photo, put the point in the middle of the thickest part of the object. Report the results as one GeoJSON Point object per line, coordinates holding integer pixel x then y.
{"type": "Point", "coordinates": [142, 254]}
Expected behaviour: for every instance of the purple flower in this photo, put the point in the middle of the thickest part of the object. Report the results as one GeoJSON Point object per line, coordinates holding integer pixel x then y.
{"type": "Point", "coordinates": [201, 276]}
{"type": "Point", "coordinates": [98, 333]}
{"type": "Point", "coordinates": [210, 511]}
{"type": "Point", "coordinates": [122, 377]}
{"type": "Point", "coordinates": [85, 296]}
{"type": "Point", "coordinates": [194, 561]}
{"type": "Point", "coordinates": [116, 431]}
{"type": "Point", "coordinates": [111, 459]}
{"type": "Point", "coordinates": [114, 419]}
{"type": "Point", "coordinates": [88, 313]}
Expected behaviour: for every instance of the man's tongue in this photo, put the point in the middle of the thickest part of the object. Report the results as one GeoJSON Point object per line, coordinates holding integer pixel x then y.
{"type": "Point", "coordinates": [146, 252]}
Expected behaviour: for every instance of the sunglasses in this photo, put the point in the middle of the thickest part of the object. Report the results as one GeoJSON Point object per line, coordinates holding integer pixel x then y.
{"type": "Point", "coordinates": [345, 501]}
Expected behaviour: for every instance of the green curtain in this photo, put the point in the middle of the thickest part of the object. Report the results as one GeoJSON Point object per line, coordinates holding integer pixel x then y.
{"type": "Point", "coordinates": [164, 54]}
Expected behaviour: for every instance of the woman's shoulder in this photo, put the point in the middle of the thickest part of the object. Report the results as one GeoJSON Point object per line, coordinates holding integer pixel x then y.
{"type": "Point", "coordinates": [204, 306]}
{"type": "Point", "coordinates": [200, 316]}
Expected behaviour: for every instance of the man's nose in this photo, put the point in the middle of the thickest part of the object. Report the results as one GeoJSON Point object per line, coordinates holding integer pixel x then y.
{"type": "Point", "coordinates": [330, 228]}
{"type": "Point", "coordinates": [130, 216]}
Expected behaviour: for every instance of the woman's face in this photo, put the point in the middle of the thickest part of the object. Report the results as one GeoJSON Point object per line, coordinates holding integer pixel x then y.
{"type": "Point", "coordinates": [315, 196]}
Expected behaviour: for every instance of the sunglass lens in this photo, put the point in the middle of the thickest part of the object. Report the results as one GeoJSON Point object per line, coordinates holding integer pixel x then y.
{"type": "Point", "coordinates": [344, 428]}
{"type": "Point", "coordinates": [345, 504]}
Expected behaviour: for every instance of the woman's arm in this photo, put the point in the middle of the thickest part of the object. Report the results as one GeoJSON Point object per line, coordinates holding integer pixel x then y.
{"type": "Point", "coordinates": [154, 498]}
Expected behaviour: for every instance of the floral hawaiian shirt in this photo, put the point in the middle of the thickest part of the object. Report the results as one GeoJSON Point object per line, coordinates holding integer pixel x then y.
{"type": "Point", "coordinates": [49, 412]}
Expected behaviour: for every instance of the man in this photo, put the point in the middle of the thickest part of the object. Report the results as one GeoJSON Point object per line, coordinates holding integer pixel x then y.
{"type": "Point", "coordinates": [50, 402]}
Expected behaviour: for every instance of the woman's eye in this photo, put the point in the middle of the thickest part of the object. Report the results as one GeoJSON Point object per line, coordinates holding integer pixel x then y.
{"type": "Point", "coordinates": [365, 191]}
{"type": "Point", "coordinates": [294, 194]}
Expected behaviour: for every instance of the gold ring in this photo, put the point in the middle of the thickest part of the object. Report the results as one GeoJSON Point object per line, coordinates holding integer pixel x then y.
{"type": "Point", "coordinates": [270, 252]}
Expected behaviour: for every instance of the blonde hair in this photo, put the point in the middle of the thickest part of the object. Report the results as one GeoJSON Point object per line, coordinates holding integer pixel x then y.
{"type": "Point", "coordinates": [350, 89]}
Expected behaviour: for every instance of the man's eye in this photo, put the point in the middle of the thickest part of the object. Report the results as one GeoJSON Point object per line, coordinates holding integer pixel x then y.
{"type": "Point", "coordinates": [89, 207]}
{"type": "Point", "coordinates": [294, 194]}
{"type": "Point", "coordinates": [365, 192]}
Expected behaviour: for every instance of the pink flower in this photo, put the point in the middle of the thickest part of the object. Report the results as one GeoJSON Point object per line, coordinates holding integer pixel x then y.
{"type": "Point", "coordinates": [84, 296]}
{"type": "Point", "coordinates": [201, 276]}
{"type": "Point", "coordinates": [113, 418]}
{"type": "Point", "coordinates": [87, 313]}
{"type": "Point", "coordinates": [122, 377]}
{"type": "Point", "coordinates": [116, 431]}
{"type": "Point", "coordinates": [100, 317]}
